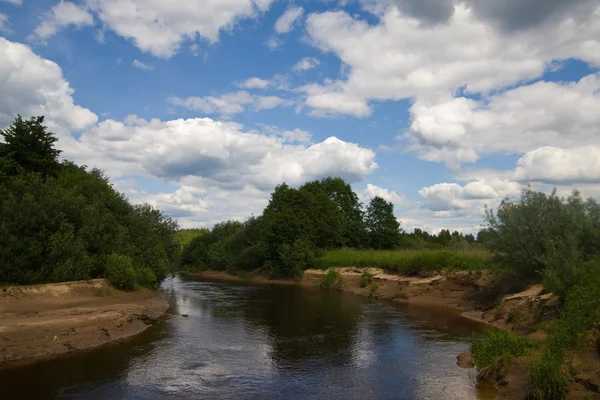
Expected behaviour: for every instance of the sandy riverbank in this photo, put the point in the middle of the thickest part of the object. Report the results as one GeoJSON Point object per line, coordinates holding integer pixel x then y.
{"type": "Point", "coordinates": [51, 319]}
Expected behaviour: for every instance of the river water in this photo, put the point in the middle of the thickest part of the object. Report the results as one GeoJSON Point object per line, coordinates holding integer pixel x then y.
{"type": "Point", "coordinates": [267, 342]}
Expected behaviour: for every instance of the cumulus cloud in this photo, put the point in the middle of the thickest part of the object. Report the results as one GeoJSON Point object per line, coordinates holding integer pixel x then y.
{"type": "Point", "coordinates": [473, 195]}
{"type": "Point", "coordinates": [402, 58]}
{"type": "Point", "coordinates": [508, 15]}
{"type": "Point", "coordinates": [31, 85]}
{"type": "Point", "coordinates": [457, 130]}
{"type": "Point", "coordinates": [556, 165]}
{"type": "Point", "coordinates": [230, 103]}
{"type": "Point", "coordinates": [62, 15]}
{"type": "Point", "coordinates": [389, 195]}
{"type": "Point", "coordinates": [140, 65]}
{"type": "Point", "coordinates": [254, 83]}
{"type": "Point", "coordinates": [306, 63]}
{"type": "Point", "coordinates": [159, 27]}
{"type": "Point", "coordinates": [285, 23]}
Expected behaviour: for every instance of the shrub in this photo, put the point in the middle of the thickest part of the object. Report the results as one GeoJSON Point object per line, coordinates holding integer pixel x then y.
{"type": "Point", "coordinates": [366, 278]}
{"type": "Point", "coordinates": [297, 257]}
{"type": "Point", "coordinates": [374, 287]}
{"type": "Point", "coordinates": [120, 271]}
{"type": "Point", "coordinates": [145, 277]}
{"type": "Point", "coordinates": [332, 280]}
{"type": "Point", "coordinates": [492, 350]}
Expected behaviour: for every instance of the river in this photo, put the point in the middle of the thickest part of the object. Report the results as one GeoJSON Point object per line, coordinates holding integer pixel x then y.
{"type": "Point", "coordinates": [267, 342]}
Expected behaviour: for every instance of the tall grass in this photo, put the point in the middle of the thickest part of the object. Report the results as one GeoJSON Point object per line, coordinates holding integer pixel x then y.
{"type": "Point", "coordinates": [407, 261]}
{"type": "Point", "coordinates": [332, 280]}
{"type": "Point", "coordinates": [493, 349]}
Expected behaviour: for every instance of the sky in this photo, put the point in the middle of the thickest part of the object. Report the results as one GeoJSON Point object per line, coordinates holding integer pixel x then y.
{"type": "Point", "coordinates": [202, 107]}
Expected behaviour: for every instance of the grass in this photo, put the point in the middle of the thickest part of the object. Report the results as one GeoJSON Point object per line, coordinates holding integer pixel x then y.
{"type": "Point", "coordinates": [493, 349]}
{"type": "Point", "coordinates": [366, 278]}
{"type": "Point", "coordinates": [401, 294]}
{"type": "Point", "coordinates": [331, 280]}
{"type": "Point", "coordinates": [408, 261]}
{"type": "Point", "coordinates": [374, 287]}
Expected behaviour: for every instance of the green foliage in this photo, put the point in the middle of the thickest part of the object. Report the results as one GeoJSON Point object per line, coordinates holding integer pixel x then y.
{"type": "Point", "coordinates": [28, 147]}
{"type": "Point", "coordinates": [63, 222]}
{"type": "Point", "coordinates": [366, 278]}
{"type": "Point", "coordinates": [580, 311]}
{"type": "Point", "coordinates": [493, 349]}
{"type": "Point", "coordinates": [407, 261]}
{"type": "Point", "coordinates": [120, 271]}
{"type": "Point", "coordinates": [297, 257]}
{"type": "Point", "coordinates": [373, 288]}
{"type": "Point", "coordinates": [546, 236]}
{"type": "Point", "coordinates": [401, 294]}
{"type": "Point", "coordinates": [185, 236]}
{"type": "Point", "coordinates": [383, 229]}
{"type": "Point", "coordinates": [332, 280]}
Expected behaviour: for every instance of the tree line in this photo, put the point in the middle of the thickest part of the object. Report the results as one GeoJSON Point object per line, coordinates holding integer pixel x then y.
{"type": "Point", "coordinates": [61, 222]}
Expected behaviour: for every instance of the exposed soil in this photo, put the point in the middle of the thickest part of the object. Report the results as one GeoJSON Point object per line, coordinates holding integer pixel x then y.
{"type": "Point", "coordinates": [51, 319]}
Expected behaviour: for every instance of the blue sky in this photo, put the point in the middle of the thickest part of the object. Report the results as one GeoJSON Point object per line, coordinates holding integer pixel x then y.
{"type": "Point", "coordinates": [201, 108]}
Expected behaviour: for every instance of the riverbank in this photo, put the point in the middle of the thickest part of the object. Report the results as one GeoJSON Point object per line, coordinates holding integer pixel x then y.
{"type": "Point", "coordinates": [47, 320]}
{"type": "Point", "coordinates": [487, 297]}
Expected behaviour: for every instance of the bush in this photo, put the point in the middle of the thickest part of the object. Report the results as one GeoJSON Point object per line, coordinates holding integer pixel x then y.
{"type": "Point", "coordinates": [493, 349]}
{"type": "Point", "coordinates": [332, 280]}
{"type": "Point", "coordinates": [297, 257]}
{"type": "Point", "coordinates": [120, 271]}
{"type": "Point", "coordinates": [145, 277]}
{"type": "Point", "coordinates": [374, 287]}
{"type": "Point", "coordinates": [366, 278]}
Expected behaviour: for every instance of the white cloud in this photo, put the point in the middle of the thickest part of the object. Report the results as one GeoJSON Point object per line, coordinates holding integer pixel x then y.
{"type": "Point", "coordinates": [306, 63]}
{"type": "Point", "coordinates": [472, 196]}
{"type": "Point", "coordinates": [254, 83]}
{"type": "Point", "coordinates": [15, 2]}
{"type": "Point", "coordinates": [31, 86]}
{"type": "Point", "coordinates": [290, 136]}
{"type": "Point", "coordinates": [230, 103]}
{"type": "Point", "coordinates": [218, 151]}
{"type": "Point", "coordinates": [273, 42]}
{"type": "Point", "coordinates": [285, 23]}
{"type": "Point", "coordinates": [140, 65]}
{"type": "Point", "coordinates": [159, 27]}
{"type": "Point", "coordinates": [222, 172]}
{"type": "Point", "coordinates": [555, 165]}
{"type": "Point", "coordinates": [388, 195]}
{"type": "Point", "coordinates": [457, 130]}
{"type": "Point", "coordinates": [62, 15]}
{"type": "Point", "coordinates": [401, 57]}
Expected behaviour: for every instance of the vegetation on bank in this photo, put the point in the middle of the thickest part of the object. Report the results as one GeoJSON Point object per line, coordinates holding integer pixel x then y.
{"type": "Point", "coordinates": [64, 222]}
{"type": "Point", "coordinates": [409, 262]}
{"type": "Point", "coordinates": [556, 241]}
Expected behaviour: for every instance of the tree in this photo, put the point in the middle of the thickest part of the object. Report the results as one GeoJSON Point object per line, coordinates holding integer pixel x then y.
{"type": "Point", "coordinates": [29, 145]}
{"type": "Point", "coordinates": [470, 238]}
{"type": "Point", "coordinates": [383, 229]}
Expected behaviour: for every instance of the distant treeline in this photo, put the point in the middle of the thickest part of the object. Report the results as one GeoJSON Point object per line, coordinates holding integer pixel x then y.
{"type": "Point", "coordinates": [60, 221]}
{"type": "Point", "coordinates": [299, 223]}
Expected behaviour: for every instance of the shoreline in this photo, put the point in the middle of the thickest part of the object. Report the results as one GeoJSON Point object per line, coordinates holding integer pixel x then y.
{"type": "Point", "coordinates": [455, 292]}
{"type": "Point", "coordinates": [44, 321]}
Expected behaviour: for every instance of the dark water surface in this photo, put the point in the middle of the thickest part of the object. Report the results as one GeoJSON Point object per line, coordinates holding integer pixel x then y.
{"type": "Point", "coordinates": [266, 342]}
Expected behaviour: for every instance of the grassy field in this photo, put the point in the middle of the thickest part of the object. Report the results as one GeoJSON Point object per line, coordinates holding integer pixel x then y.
{"type": "Point", "coordinates": [408, 261]}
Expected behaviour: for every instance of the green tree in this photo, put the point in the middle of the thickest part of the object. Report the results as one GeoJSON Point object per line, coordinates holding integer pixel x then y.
{"type": "Point", "coordinates": [383, 229]}
{"type": "Point", "coordinates": [30, 146]}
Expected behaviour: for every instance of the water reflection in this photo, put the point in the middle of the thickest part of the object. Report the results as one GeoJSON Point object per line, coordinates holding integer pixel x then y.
{"type": "Point", "coordinates": [267, 342]}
